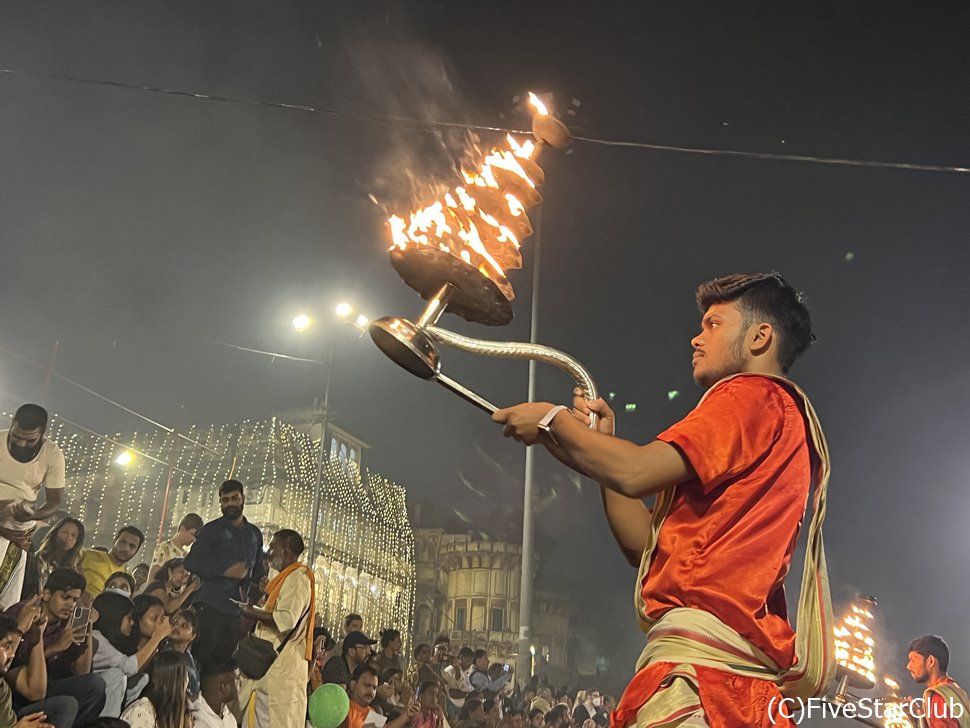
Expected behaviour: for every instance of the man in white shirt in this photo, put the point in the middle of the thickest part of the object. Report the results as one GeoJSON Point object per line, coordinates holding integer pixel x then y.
{"type": "Point", "coordinates": [286, 620]}
{"type": "Point", "coordinates": [457, 678]}
{"type": "Point", "coordinates": [28, 460]}
{"type": "Point", "coordinates": [219, 689]}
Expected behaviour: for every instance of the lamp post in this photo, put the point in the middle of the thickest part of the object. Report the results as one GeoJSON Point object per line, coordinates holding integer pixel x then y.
{"type": "Point", "coordinates": [526, 649]}
{"type": "Point", "coordinates": [301, 323]}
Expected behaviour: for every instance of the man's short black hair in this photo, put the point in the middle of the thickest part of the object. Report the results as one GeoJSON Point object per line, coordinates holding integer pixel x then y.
{"type": "Point", "coordinates": [931, 645]}
{"type": "Point", "coordinates": [557, 714]}
{"type": "Point", "coordinates": [134, 531]}
{"type": "Point", "coordinates": [31, 417]}
{"type": "Point", "coordinates": [211, 669]}
{"type": "Point", "coordinates": [765, 297]}
{"type": "Point", "coordinates": [352, 618]}
{"type": "Point", "coordinates": [64, 580]}
{"type": "Point", "coordinates": [535, 712]}
{"type": "Point", "coordinates": [362, 670]}
{"type": "Point", "coordinates": [479, 654]}
{"type": "Point", "coordinates": [8, 625]}
{"type": "Point", "coordinates": [291, 539]}
{"type": "Point", "coordinates": [466, 652]}
{"type": "Point", "coordinates": [231, 486]}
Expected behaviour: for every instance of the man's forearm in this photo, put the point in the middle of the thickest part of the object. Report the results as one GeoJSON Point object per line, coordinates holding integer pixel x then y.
{"type": "Point", "coordinates": [82, 665]}
{"type": "Point", "coordinates": [51, 504]}
{"type": "Point", "coordinates": [634, 471]}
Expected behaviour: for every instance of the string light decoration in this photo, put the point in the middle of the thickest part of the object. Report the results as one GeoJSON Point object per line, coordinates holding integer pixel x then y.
{"type": "Point", "coordinates": [365, 555]}
{"type": "Point", "coordinates": [854, 644]}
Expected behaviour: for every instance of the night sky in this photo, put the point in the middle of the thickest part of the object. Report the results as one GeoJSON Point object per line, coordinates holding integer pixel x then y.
{"type": "Point", "coordinates": [138, 227]}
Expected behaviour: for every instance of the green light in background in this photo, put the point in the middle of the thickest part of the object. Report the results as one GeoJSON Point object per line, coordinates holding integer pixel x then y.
{"type": "Point", "coordinates": [630, 407]}
{"type": "Point", "coordinates": [672, 395]}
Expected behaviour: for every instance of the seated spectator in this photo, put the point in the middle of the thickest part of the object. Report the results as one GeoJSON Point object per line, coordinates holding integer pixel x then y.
{"type": "Point", "coordinates": [148, 617]}
{"type": "Point", "coordinates": [356, 651]}
{"type": "Point", "coordinates": [173, 584]}
{"type": "Point", "coordinates": [587, 705]}
{"type": "Point", "coordinates": [543, 700]}
{"type": "Point", "coordinates": [164, 703]}
{"type": "Point", "coordinates": [68, 648]}
{"type": "Point", "coordinates": [430, 713]}
{"type": "Point", "coordinates": [537, 719]}
{"type": "Point", "coordinates": [120, 581]}
{"type": "Point", "coordinates": [516, 718]}
{"type": "Point", "coordinates": [140, 575]}
{"type": "Point", "coordinates": [352, 623]}
{"type": "Point", "coordinates": [97, 565]}
{"type": "Point", "coordinates": [176, 547]}
{"type": "Point", "coordinates": [491, 681]}
{"type": "Point", "coordinates": [363, 689]}
{"type": "Point", "coordinates": [492, 710]}
{"type": "Point", "coordinates": [390, 654]}
{"type": "Point", "coordinates": [118, 658]}
{"type": "Point", "coordinates": [59, 549]}
{"type": "Point", "coordinates": [219, 691]}
{"type": "Point", "coordinates": [185, 628]}
{"type": "Point", "coordinates": [59, 711]}
{"type": "Point", "coordinates": [472, 714]}
{"type": "Point", "coordinates": [421, 669]}
{"type": "Point", "coordinates": [558, 717]}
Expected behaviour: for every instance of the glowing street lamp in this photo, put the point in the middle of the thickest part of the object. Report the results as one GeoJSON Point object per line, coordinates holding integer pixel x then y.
{"type": "Point", "coordinates": [302, 322]}
{"type": "Point", "coordinates": [344, 310]}
{"type": "Point", "coordinates": [125, 458]}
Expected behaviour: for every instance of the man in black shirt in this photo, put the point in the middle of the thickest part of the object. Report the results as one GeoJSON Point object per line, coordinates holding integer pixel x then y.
{"type": "Point", "coordinates": [340, 668]}
{"type": "Point", "coordinates": [228, 557]}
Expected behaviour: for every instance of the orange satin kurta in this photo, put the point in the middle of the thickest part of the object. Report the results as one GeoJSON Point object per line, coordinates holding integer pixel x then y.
{"type": "Point", "coordinates": [938, 713]}
{"type": "Point", "coordinates": [727, 542]}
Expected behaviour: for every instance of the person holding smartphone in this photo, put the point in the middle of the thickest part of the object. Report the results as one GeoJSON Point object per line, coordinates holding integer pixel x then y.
{"type": "Point", "coordinates": [68, 646]}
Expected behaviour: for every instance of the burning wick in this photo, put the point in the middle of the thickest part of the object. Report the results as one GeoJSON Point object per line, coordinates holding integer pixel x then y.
{"type": "Point", "coordinates": [537, 103]}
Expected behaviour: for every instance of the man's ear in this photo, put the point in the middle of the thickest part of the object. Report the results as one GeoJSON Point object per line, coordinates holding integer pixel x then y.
{"type": "Point", "coordinates": [761, 337]}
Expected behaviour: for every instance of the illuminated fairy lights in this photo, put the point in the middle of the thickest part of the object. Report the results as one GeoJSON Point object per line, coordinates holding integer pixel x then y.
{"type": "Point", "coordinates": [365, 560]}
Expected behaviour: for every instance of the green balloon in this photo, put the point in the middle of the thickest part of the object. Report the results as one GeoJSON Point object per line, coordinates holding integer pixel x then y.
{"type": "Point", "coordinates": [329, 705]}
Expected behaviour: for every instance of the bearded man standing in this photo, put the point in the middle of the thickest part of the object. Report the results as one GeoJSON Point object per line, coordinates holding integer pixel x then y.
{"type": "Point", "coordinates": [228, 558]}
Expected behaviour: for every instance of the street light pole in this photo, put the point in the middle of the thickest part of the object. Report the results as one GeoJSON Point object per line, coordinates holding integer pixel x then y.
{"type": "Point", "coordinates": [528, 537]}
{"type": "Point", "coordinates": [324, 418]}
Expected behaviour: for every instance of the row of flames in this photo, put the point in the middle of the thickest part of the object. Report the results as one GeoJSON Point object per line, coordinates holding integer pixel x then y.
{"type": "Point", "coordinates": [854, 650]}
{"type": "Point", "coordinates": [483, 221]}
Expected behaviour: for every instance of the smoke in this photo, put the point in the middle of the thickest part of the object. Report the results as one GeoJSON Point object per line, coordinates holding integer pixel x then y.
{"type": "Point", "coordinates": [405, 78]}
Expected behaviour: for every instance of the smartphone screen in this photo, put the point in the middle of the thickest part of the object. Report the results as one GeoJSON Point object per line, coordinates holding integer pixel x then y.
{"type": "Point", "coordinates": [81, 617]}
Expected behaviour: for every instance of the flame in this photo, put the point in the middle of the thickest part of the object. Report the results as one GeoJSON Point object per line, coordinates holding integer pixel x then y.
{"type": "Point", "coordinates": [483, 220]}
{"type": "Point", "coordinates": [537, 103]}
{"type": "Point", "coordinates": [854, 643]}
{"type": "Point", "coordinates": [894, 716]}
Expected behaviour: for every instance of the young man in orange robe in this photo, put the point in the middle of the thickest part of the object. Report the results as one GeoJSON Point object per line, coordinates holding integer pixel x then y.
{"type": "Point", "coordinates": [945, 704]}
{"type": "Point", "coordinates": [732, 481]}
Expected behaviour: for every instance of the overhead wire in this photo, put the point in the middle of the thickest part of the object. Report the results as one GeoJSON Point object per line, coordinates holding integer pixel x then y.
{"type": "Point", "coordinates": [428, 125]}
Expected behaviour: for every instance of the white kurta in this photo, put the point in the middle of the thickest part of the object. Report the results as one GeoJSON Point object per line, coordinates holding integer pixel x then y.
{"type": "Point", "coordinates": [280, 696]}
